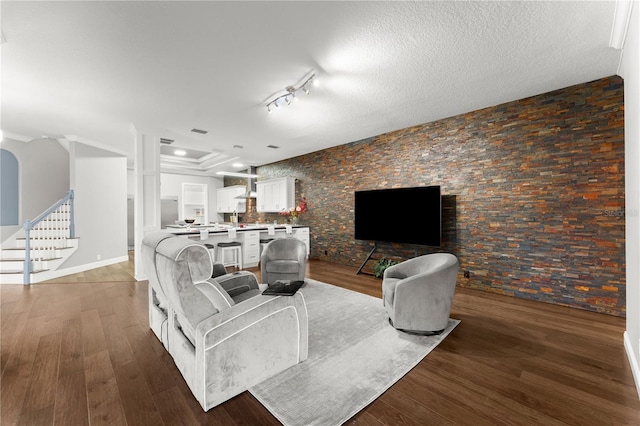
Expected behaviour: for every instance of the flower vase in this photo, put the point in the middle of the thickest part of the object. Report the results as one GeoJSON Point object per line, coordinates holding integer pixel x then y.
{"type": "Point", "coordinates": [295, 220]}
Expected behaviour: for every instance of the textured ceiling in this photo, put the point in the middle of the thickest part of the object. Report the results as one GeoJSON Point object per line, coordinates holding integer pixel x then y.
{"type": "Point", "coordinates": [95, 70]}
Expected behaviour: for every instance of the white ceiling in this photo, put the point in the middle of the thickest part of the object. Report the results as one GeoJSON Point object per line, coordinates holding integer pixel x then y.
{"type": "Point", "coordinates": [93, 71]}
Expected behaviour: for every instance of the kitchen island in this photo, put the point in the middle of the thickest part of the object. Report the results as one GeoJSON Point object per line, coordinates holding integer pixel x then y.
{"type": "Point", "coordinates": [248, 235]}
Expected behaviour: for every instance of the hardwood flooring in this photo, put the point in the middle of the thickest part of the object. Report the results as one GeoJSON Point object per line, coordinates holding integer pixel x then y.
{"type": "Point", "coordinates": [78, 351]}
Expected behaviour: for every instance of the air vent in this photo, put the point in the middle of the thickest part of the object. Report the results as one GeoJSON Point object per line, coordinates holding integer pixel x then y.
{"type": "Point", "coordinates": [202, 132]}
{"type": "Point", "coordinates": [273, 147]}
{"type": "Point", "coordinates": [166, 141]}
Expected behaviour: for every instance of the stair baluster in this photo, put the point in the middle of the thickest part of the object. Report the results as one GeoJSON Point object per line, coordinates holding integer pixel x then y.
{"type": "Point", "coordinates": [50, 230]}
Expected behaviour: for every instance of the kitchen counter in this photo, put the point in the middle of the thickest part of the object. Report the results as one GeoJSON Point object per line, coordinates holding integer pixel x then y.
{"type": "Point", "coordinates": [212, 229]}
{"type": "Point", "coordinates": [249, 236]}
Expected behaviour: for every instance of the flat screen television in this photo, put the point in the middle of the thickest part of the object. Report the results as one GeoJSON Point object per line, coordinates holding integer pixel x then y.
{"type": "Point", "coordinates": [399, 215]}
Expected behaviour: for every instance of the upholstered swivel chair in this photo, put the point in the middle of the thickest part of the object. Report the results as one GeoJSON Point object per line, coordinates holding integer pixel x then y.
{"type": "Point", "coordinates": [283, 259]}
{"type": "Point", "coordinates": [223, 345]}
{"type": "Point", "coordinates": [418, 293]}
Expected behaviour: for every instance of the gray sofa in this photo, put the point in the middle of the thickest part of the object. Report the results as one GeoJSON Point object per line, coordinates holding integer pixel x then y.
{"type": "Point", "coordinates": [223, 334]}
{"type": "Point", "coordinates": [418, 293]}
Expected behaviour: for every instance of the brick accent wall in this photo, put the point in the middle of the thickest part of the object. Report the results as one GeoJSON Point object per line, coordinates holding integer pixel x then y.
{"type": "Point", "coordinates": [533, 194]}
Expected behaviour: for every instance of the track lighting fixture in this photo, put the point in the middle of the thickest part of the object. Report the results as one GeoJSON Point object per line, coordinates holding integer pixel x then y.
{"type": "Point", "coordinates": [290, 95]}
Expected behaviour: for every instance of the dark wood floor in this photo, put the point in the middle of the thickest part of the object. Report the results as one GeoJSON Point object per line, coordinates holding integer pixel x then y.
{"type": "Point", "coordinates": [78, 351]}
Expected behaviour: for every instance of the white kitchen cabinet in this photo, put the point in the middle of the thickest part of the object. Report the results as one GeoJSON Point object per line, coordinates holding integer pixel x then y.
{"type": "Point", "coordinates": [303, 235]}
{"type": "Point", "coordinates": [194, 202]}
{"type": "Point", "coordinates": [227, 202]}
{"type": "Point", "coordinates": [251, 247]}
{"type": "Point", "coordinates": [275, 195]}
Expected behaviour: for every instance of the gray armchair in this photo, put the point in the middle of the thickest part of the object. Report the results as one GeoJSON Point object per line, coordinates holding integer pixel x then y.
{"type": "Point", "coordinates": [283, 259]}
{"type": "Point", "coordinates": [222, 345]}
{"type": "Point", "coordinates": [418, 293]}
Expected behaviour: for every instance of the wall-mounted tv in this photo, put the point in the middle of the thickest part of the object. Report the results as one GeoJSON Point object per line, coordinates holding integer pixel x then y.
{"type": "Point", "coordinates": [400, 215]}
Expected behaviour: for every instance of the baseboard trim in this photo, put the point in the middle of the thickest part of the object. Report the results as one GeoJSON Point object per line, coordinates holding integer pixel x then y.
{"type": "Point", "coordinates": [87, 266]}
{"type": "Point", "coordinates": [633, 361]}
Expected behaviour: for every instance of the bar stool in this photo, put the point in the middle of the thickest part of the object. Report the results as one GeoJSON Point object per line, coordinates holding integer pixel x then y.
{"type": "Point", "coordinates": [212, 251]}
{"type": "Point", "coordinates": [236, 250]}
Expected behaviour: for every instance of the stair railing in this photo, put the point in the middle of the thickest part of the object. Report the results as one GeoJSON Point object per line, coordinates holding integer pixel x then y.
{"type": "Point", "coordinates": [53, 227]}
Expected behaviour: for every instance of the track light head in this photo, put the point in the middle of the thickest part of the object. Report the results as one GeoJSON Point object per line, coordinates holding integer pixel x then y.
{"type": "Point", "coordinates": [291, 94]}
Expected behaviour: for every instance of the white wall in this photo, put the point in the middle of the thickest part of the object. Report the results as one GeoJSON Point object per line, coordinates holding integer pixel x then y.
{"type": "Point", "coordinates": [99, 179]}
{"type": "Point", "coordinates": [43, 174]}
{"type": "Point", "coordinates": [630, 71]}
{"type": "Point", "coordinates": [171, 187]}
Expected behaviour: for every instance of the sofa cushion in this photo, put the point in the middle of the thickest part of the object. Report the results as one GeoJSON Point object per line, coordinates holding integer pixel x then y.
{"type": "Point", "coordinates": [241, 297]}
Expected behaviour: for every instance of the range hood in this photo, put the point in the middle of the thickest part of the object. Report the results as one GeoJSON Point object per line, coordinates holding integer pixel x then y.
{"type": "Point", "coordinates": [251, 186]}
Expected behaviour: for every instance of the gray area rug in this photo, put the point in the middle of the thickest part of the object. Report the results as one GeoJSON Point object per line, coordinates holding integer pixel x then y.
{"type": "Point", "coordinates": [354, 356]}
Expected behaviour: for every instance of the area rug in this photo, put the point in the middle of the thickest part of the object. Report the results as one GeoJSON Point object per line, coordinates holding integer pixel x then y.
{"type": "Point", "coordinates": [354, 356]}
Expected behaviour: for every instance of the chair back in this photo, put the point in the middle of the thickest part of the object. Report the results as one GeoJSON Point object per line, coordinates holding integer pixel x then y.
{"type": "Point", "coordinates": [437, 262]}
{"type": "Point", "coordinates": [149, 244]}
{"type": "Point", "coordinates": [285, 249]}
{"type": "Point", "coordinates": [182, 264]}
{"type": "Point", "coordinates": [428, 263]}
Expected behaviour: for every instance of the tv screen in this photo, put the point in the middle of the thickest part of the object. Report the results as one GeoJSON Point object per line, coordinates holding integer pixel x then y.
{"type": "Point", "coordinates": [399, 215]}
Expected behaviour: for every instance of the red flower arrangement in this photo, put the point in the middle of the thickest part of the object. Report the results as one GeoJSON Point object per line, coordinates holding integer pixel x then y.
{"type": "Point", "coordinates": [297, 210]}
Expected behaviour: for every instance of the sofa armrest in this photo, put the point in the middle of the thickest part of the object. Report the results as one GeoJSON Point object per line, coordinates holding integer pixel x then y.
{"type": "Point", "coordinates": [237, 282]}
{"type": "Point", "coordinates": [397, 271]}
{"type": "Point", "coordinates": [247, 313]}
{"type": "Point", "coordinates": [248, 343]}
{"type": "Point", "coordinates": [216, 294]}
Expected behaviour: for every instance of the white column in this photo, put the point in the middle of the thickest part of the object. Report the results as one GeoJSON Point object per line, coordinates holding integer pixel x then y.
{"type": "Point", "coordinates": [630, 70]}
{"type": "Point", "coordinates": [147, 193]}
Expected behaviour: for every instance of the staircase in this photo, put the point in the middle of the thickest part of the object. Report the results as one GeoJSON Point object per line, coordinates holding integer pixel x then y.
{"type": "Point", "coordinates": [34, 253]}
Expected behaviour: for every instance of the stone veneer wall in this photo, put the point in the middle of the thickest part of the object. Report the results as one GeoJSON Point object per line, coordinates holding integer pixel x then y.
{"type": "Point", "coordinates": [533, 194]}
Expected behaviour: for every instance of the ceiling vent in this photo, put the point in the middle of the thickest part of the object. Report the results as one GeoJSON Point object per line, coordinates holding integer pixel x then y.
{"type": "Point", "coordinates": [202, 132]}
{"type": "Point", "coordinates": [166, 141]}
{"type": "Point", "coordinates": [273, 147]}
